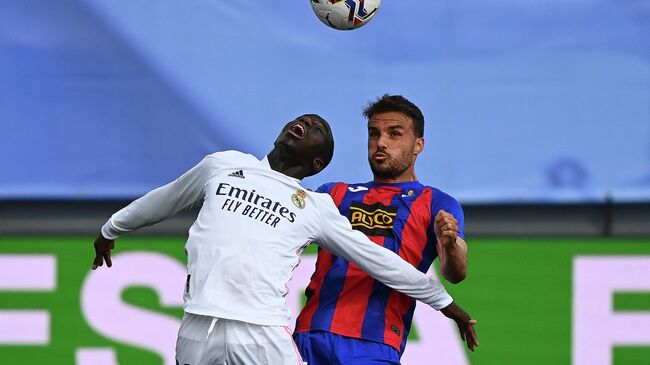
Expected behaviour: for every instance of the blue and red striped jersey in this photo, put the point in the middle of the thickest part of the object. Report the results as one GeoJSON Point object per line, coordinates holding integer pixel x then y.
{"type": "Point", "coordinates": [344, 300]}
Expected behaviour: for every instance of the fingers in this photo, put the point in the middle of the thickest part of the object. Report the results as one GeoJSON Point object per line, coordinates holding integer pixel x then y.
{"type": "Point", "coordinates": [100, 258]}
{"type": "Point", "coordinates": [103, 249]}
{"type": "Point", "coordinates": [444, 216]}
{"type": "Point", "coordinates": [469, 335]}
{"type": "Point", "coordinates": [99, 261]}
{"type": "Point", "coordinates": [449, 225]}
{"type": "Point", "coordinates": [464, 323]}
{"type": "Point", "coordinates": [449, 233]}
{"type": "Point", "coordinates": [446, 236]}
{"type": "Point", "coordinates": [107, 257]}
{"type": "Point", "coordinates": [462, 332]}
{"type": "Point", "coordinates": [472, 340]}
{"type": "Point", "coordinates": [446, 225]}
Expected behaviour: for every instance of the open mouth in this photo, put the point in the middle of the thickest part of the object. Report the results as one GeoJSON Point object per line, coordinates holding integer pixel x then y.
{"type": "Point", "coordinates": [298, 130]}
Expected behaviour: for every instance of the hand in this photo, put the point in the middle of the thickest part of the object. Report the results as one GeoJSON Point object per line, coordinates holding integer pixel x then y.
{"type": "Point", "coordinates": [464, 322]}
{"type": "Point", "coordinates": [446, 228]}
{"type": "Point", "coordinates": [103, 249]}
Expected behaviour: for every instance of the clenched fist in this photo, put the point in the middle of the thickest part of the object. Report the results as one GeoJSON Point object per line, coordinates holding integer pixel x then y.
{"type": "Point", "coordinates": [446, 228]}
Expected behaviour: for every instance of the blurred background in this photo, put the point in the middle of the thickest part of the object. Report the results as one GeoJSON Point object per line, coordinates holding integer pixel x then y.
{"type": "Point", "coordinates": [537, 121]}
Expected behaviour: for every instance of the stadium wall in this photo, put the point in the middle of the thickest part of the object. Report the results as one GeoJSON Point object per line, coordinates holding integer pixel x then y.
{"type": "Point", "coordinates": [74, 218]}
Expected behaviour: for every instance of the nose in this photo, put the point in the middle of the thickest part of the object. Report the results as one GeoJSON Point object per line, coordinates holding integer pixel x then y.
{"type": "Point", "coordinates": [382, 140]}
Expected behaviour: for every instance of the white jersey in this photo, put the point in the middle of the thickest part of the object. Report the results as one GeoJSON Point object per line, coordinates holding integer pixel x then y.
{"type": "Point", "coordinates": [249, 234]}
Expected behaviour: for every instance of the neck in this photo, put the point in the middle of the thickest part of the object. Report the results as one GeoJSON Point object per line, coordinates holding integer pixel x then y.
{"type": "Point", "coordinates": [289, 169]}
{"type": "Point", "coordinates": [406, 176]}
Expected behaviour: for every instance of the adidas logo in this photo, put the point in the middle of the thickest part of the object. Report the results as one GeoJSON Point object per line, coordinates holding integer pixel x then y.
{"type": "Point", "coordinates": [239, 174]}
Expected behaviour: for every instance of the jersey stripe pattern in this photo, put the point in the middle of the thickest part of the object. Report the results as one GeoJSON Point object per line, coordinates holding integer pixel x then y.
{"type": "Point", "coordinates": [343, 299]}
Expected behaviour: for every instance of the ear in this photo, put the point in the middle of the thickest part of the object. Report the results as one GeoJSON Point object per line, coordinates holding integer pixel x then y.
{"type": "Point", "coordinates": [318, 164]}
{"type": "Point", "coordinates": [419, 146]}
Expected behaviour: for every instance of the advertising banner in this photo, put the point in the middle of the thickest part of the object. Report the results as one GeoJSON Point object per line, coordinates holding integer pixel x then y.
{"type": "Point", "coordinates": [537, 301]}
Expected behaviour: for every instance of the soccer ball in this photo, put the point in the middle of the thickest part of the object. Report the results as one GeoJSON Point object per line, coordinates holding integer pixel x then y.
{"type": "Point", "coordinates": [345, 14]}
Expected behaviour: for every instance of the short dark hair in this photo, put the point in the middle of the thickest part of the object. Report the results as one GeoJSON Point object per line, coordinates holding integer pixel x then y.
{"type": "Point", "coordinates": [397, 103]}
{"type": "Point", "coordinates": [328, 148]}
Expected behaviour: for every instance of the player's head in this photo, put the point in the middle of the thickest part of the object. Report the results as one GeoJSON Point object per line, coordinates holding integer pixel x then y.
{"type": "Point", "coordinates": [306, 142]}
{"type": "Point", "coordinates": [395, 137]}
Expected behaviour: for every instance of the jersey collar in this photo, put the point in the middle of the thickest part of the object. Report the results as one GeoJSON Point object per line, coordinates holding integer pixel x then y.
{"type": "Point", "coordinates": [404, 186]}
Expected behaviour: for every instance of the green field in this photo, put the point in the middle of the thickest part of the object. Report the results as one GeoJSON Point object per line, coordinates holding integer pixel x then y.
{"type": "Point", "coordinates": [518, 289]}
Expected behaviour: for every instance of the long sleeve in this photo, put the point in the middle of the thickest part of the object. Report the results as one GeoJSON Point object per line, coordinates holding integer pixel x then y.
{"type": "Point", "coordinates": [161, 203]}
{"type": "Point", "coordinates": [382, 264]}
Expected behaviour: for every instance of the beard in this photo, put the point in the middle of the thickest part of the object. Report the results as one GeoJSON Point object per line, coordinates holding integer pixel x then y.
{"type": "Point", "coordinates": [392, 167]}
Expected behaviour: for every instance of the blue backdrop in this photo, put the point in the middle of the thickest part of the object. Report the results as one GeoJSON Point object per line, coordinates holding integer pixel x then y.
{"type": "Point", "coordinates": [524, 101]}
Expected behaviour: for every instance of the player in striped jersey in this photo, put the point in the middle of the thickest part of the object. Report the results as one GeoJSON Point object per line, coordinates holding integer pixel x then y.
{"type": "Point", "coordinates": [349, 317]}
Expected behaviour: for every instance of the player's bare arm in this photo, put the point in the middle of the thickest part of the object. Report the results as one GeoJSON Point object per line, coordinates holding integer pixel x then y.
{"type": "Point", "coordinates": [452, 249]}
{"type": "Point", "coordinates": [464, 322]}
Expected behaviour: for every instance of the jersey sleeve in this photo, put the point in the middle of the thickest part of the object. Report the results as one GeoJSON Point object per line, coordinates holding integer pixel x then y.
{"type": "Point", "coordinates": [161, 203]}
{"type": "Point", "coordinates": [325, 188]}
{"type": "Point", "coordinates": [337, 236]}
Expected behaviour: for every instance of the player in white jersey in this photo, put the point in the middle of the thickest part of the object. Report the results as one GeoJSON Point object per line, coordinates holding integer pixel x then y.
{"type": "Point", "coordinates": [255, 221]}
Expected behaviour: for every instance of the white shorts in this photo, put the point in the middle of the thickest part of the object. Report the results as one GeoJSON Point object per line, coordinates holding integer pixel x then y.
{"type": "Point", "coordinates": [204, 340]}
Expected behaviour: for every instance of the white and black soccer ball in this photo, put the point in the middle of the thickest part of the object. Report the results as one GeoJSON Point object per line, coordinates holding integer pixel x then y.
{"type": "Point", "coordinates": [345, 14]}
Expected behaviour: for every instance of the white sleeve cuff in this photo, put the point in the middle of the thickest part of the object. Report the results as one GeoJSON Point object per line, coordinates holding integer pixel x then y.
{"type": "Point", "coordinates": [109, 232]}
{"type": "Point", "coordinates": [442, 302]}
{"type": "Point", "coordinates": [441, 298]}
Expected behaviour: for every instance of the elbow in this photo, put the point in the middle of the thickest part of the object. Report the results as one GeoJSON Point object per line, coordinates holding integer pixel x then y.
{"type": "Point", "coordinates": [455, 277]}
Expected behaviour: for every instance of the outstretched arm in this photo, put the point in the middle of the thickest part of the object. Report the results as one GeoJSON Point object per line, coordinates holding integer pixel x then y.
{"type": "Point", "coordinates": [337, 236]}
{"type": "Point", "coordinates": [155, 206]}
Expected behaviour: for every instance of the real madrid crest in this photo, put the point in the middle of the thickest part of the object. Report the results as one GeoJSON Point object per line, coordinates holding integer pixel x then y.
{"type": "Point", "coordinates": [298, 199]}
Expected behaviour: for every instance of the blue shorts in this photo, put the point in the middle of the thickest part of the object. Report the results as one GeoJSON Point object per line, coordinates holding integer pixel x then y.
{"type": "Point", "coordinates": [325, 348]}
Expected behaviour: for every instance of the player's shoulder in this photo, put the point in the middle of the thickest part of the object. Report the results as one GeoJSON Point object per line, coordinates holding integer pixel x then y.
{"type": "Point", "coordinates": [343, 186]}
{"type": "Point", "coordinates": [231, 157]}
{"type": "Point", "coordinates": [438, 192]}
{"type": "Point", "coordinates": [330, 190]}
{"type": "Point", "coordinates": [232, 154]}
{"type": "Point", "coordinates": [326, 187]}
{"type": "Point", "coordinates": [319, 199]}
{"type": "Point", "coordinates": [440, 198]}
{"type": "Point", "coordinates": [320, 193]}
